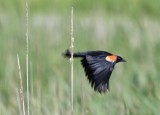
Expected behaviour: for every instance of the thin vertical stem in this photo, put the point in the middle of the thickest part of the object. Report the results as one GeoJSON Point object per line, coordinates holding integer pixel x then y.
{"type": "Point", "coordinates": [21, 87]}
{"type": "Point", "coordinates": [27, 56]}
{"type": "Point", "coordinates": [71, 60]}
{"type": "Point", "coordinates": [32, 90]}
{"type": "Point", "coordinates": [19, 102]}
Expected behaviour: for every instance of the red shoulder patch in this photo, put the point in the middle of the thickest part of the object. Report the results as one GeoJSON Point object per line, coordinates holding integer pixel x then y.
{"type": "Point", "coordinates": [111, 58]}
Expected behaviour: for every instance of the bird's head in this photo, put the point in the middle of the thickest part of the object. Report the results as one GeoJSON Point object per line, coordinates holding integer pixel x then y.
{"type": "Point", "coordinates": [115, 59]}
{"type": "Point", "coordinates": [120, 59]}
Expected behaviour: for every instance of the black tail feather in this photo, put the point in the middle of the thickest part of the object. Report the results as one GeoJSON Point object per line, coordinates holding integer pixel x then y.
{"type": "Point", "coordinates": [67, 53]}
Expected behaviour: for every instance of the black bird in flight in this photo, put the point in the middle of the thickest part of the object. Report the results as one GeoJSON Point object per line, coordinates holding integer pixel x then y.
{"type": "Point", "coordinates": [98, 66]}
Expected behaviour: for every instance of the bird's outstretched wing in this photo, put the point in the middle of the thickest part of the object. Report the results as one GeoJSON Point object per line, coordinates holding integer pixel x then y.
{"type": "Point", "coordinates": [98, 72]}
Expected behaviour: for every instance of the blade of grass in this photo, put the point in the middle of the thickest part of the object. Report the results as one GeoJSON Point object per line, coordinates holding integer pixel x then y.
{"type": "Point", "coordinates": [21, 88]}
{"type": "Point", "coordinates": [19, 102]}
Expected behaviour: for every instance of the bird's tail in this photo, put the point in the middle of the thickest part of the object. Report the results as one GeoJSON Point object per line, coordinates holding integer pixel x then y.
{"type": "Point", "coordinates": [67, 53]}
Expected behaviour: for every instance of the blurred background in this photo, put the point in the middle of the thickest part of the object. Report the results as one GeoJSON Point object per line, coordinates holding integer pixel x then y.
{"type": "Point", "coordinates": [129, 28]}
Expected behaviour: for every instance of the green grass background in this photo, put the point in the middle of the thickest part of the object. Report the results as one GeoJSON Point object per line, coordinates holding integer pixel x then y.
{"type": "Point", "coordinates": [130, 28]}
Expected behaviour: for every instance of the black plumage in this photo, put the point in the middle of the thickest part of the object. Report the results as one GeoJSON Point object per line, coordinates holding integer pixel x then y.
{"type": "Point", "coordinates": [97, 68]}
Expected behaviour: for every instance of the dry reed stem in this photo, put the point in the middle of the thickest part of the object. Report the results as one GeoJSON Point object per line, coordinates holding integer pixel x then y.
{"type": "Point", "coordinates": [21, 88]}
{"type": "Point", "coordinates": [19, 103]}
{"type": "Point", "coordinates": [71, 61]}
{"type": "Point", "coordinates": [27, 56]}
{"type": "Point", "coordinates": [32, 90]}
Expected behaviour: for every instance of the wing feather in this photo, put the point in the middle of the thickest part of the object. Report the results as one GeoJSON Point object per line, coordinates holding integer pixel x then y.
{"type": "Point", "coordinates": [98, 72]}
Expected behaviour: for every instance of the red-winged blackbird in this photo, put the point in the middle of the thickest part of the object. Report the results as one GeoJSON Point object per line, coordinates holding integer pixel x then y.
{"type": "Point", "coordinates": [98, 66]}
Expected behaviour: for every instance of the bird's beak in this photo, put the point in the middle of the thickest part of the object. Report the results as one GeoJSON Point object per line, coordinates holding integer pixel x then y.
{"type": "Point", "coordinates": [123, 60]}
